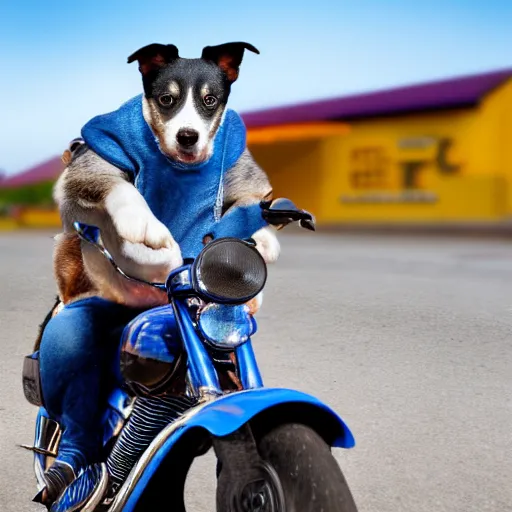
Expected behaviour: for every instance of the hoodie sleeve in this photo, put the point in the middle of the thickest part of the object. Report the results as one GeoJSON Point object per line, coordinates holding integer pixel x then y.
{"type": "Point", "coordinates": [115, 136]}
{"type": "Point", "coordinates": [240, 222]}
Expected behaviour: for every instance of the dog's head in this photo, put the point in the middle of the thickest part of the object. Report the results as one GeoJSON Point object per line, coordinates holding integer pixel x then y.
{"type": "Point", "coordinates": [185, 99]}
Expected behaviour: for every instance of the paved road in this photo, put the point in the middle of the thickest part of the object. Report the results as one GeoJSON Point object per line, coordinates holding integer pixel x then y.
{"type": "Point", "coordinates": [410, 339]}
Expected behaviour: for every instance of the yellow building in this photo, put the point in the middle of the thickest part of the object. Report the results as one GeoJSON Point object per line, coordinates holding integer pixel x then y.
{"type": "Point", "coordinates": [433, 153]}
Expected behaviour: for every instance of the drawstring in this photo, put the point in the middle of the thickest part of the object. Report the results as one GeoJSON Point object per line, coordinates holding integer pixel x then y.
{"type": "Point", "coordinates": [219, 202]}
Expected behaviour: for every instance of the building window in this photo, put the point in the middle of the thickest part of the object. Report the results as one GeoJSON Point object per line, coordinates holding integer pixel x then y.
{"type": "Point", "coordinates": [369, 168]}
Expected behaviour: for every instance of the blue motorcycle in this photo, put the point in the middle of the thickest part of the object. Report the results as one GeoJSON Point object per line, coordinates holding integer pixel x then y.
{"type": "Point", "coordinates": [191, 382]}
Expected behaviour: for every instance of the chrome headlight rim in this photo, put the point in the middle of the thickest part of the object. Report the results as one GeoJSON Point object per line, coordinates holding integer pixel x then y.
{"type": "Point", "coordinates": [198, 276]}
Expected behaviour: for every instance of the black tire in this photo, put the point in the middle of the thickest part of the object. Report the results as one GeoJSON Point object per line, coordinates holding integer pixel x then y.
{"type": "Point", "coordinates": [308, 477]}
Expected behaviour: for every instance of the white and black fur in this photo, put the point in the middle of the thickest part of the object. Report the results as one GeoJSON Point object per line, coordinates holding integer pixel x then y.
{"type": "Point", "coordinates": [185, 99]}
{"type": "Point", "coordinates": [184, 103]}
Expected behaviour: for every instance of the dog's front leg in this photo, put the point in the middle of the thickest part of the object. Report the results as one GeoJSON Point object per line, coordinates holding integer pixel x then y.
{"type": "Point", "coordinates": [95, 192]}
{"type": "Point", "coordinates": [146, 240]}
{"type": "Point", "coordinates": [133, 220]}
{"type": "Point", "coordinates": [147, 248]}
{"type": "Point", "coordinates": [267, 244]}
{"type": "Point", "coordinates": [246, 183]}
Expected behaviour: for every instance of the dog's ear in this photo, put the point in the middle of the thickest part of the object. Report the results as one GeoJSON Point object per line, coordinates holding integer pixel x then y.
{"type": "Point", "coordinates": [154, 56]}
{"type": "Point", "coordinates": [228, 57]}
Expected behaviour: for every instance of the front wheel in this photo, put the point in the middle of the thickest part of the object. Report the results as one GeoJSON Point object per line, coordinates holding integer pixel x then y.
{"type": "Point", "coordinates": [299, 474]}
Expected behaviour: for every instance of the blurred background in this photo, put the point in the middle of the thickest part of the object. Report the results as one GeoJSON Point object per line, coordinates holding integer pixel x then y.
{"type": "Point", "coordinates": [369, 113]}
{"type": "Point", "coordinates": [363, 112]}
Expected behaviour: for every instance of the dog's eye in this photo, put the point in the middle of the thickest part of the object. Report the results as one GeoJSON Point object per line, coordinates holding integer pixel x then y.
{"type": "Point", "coordinates": [166, 100]}
{"type": "Point", "coordinates": [210, 101]}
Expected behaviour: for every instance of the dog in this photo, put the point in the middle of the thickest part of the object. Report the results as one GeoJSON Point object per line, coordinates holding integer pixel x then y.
{"type": "Point", "coordinates": [184, 104]}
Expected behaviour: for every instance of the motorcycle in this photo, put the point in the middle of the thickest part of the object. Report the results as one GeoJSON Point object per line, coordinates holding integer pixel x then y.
{"type": "Point", "coordinates": [191, 382]}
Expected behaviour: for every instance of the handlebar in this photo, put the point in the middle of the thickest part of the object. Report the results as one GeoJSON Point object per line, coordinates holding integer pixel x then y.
{"type": "Point", "coordinates": [278, 213]}
{"type": "Point", "coordinates": [92, 235]}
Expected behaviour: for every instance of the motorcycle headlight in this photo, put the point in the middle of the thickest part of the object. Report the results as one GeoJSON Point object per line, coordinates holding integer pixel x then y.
{"type": "Point", "coordinates": [229, 271]}
{"type": "Point", "coordinates": [226, 327]}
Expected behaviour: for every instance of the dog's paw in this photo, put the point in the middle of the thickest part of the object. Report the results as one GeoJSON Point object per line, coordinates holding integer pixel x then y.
{"type": "Point", "coordinates": [140, 226]}
{"type": "Point", "coordinates": [267, 244]}
{"type": "Point", "coordinates": [149, 264]}
{"type": "Point", "coordinates": [254, 305]}
{"type": "Point", "coordinates": [134, 221]}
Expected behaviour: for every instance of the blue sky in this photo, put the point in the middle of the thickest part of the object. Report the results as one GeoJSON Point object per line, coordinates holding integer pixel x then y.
{"type": "Point", "coordinates": [62, 62]}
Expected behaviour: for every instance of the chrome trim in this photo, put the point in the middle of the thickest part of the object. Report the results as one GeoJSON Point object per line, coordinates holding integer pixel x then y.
{"type": "Point", "coordinates": [200, 282]}
{"type": "Point", "coordinates": [207, 394]}
{"type": "Point", "coordinates": [46, 443]}
{"type": "Point", "coordinates": [39, 471]}
{"type": "Point", "coordinates": [99, 493]}
{"type": "Point", "coordinates": [39, 451]}
{"type": "Point", "coordinates": [48, 436]}
{"type": "Point", "coordinates": [190, 390]}
{"type": "Point", "coordinates": [136, 473]}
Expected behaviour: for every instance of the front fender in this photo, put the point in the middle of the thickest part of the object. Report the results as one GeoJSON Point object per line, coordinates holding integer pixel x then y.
{"type": "Point", "coordinates": [227, 414]}
{"type": "Point", "coordinates": [222, 417]}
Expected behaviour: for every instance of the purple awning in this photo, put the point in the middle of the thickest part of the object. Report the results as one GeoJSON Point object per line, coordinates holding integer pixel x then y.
{"type": "Point", "coordinates": [445, 94]}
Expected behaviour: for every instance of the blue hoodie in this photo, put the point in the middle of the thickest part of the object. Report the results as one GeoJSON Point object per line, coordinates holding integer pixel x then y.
{"type": "Point", "coordinates": [186, 198]}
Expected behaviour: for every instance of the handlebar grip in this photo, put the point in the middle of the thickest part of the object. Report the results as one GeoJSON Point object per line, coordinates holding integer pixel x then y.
{"type": "Point", "coordinates": [282, 212]}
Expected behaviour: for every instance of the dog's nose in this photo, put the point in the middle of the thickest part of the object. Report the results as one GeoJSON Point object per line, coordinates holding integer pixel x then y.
{"type": "Point", "coordinates": [187, 138]}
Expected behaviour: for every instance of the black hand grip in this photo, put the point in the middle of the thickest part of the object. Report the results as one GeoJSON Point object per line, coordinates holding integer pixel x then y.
{"type": "Point", "coordinates": [283, 211]}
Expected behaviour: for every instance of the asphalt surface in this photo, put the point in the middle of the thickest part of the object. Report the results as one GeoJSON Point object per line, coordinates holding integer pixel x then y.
{"type": "Point", "coordinates": [409, 339]}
